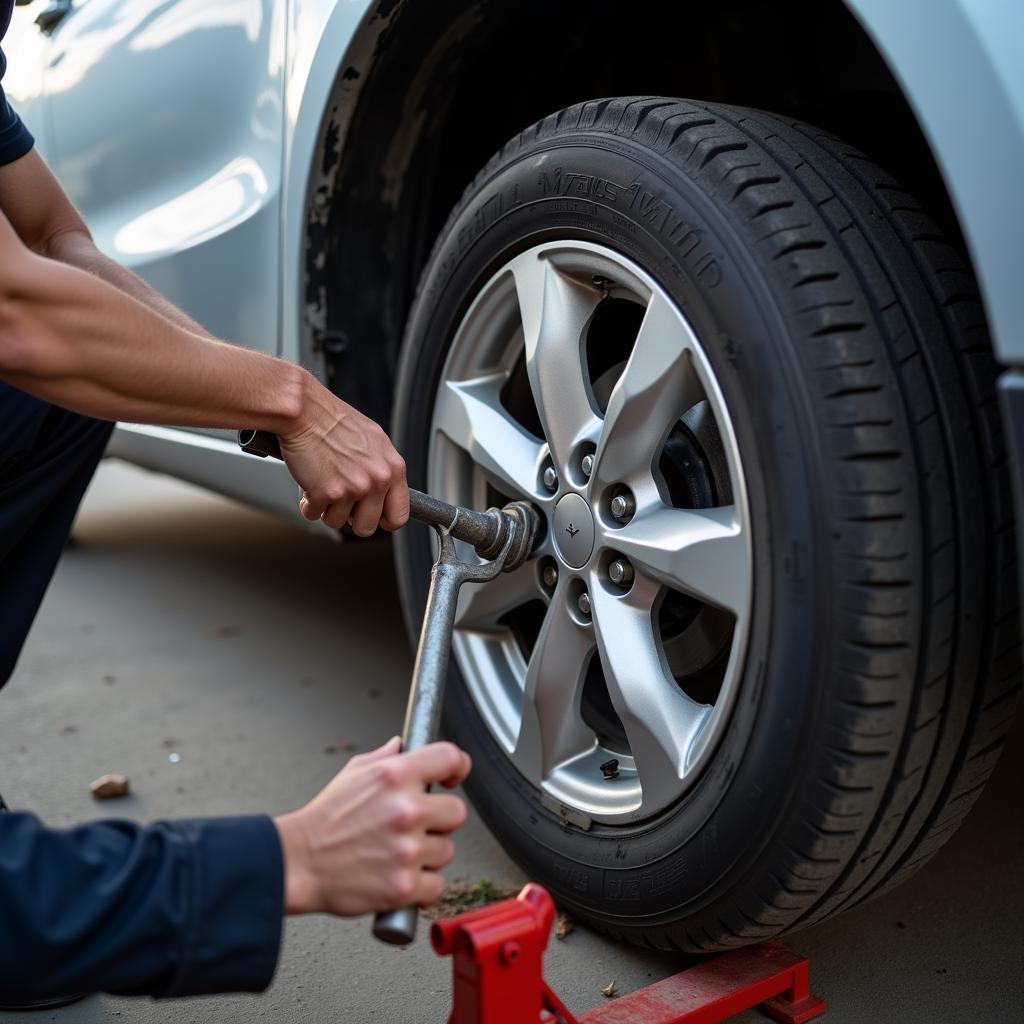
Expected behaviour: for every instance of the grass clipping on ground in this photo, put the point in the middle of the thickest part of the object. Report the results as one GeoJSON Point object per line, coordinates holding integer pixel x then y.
{"type": "Point", "coordinates": [461, 895]}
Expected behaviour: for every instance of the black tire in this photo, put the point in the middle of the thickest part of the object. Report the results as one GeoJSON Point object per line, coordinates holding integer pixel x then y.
{"type": "Point", "coordinates": [851, 347]}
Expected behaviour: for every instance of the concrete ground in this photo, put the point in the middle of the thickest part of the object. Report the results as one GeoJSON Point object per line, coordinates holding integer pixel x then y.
{"type": "Point", "coordinates": [182, 624]}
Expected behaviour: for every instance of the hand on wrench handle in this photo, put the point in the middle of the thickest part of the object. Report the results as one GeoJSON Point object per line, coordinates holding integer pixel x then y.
{"type": "Point", "coordinates": [504, 539]}
{"type": "Point", "coordinates": [486, 531]}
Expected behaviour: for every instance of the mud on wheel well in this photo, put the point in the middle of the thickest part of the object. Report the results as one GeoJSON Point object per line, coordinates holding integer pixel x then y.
{"type": "Point", "coordinates": [448, 83]}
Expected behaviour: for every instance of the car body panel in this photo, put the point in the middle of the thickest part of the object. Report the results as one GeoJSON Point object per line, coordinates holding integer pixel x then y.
{"type": "Point", "coordinates": [166, 120]}
{"type": "Point", "coordinates": [252, 130]}
{"type": "Point", "coordinates": [325, 38]}
{"type": "Point", "coordinates": [211, 462]}
{"type": "Point", "coordinates": [959, 64]}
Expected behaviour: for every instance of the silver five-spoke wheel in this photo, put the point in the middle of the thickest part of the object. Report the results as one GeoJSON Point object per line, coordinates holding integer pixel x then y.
{"type": "Point", "coordinates": [606, 666]}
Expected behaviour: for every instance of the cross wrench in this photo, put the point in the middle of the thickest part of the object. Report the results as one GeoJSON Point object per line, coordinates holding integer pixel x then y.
{"type": "Point", "coordinates": [503, 538]}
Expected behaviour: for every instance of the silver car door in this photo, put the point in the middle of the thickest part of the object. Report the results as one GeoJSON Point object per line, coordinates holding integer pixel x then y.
{"type": "Point", "coordinates": [167, 123]}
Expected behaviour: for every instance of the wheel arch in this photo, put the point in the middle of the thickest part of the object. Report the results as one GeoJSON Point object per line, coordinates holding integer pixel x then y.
{"type": "Point", "coordinates": [963, 80]}
{"type": "Point", "coordinates": [425, 94]}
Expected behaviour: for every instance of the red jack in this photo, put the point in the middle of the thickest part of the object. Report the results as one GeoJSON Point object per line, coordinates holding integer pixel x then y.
{"type": "Point", "coordinates": [498, 978]}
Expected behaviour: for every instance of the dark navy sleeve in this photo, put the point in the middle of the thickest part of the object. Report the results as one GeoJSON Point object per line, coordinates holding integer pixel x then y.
{"type": "Point", "coordinates": [15, 139]}
{"type": "Point", "coordinates": [170, 909]}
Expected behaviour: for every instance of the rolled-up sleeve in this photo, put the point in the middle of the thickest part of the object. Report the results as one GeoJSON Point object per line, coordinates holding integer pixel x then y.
{"type": "Point", "coordinates": [169, 909]}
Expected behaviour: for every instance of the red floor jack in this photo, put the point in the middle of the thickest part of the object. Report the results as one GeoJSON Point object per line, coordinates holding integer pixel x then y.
{"type": "Point", "coordinates": [498, 951]}
{"type": "Point", "coordinates": [497, 976]}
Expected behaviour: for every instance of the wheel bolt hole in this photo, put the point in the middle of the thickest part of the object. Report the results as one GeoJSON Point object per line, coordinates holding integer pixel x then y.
{"type": "Point", "coordinates": [621, 505]}
{"type": "Point", "coordinates": [548, 574]}
{"type": "Point", "coordinates": [582, 464]}
{"type": "Point", "coordinates": [620, 572]}
{"type": "Point", "coordinates": [578, 600]}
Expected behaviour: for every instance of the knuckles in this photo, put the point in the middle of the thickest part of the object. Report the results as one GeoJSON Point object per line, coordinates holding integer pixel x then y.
{"type": "Point", "coordinates": [434, 888]}
{"type": "Point", "coordinates": [407, 852]}
{"type": "Point", "coordinates": [402, 886]}
{"type": "Point", "coordinates": [389, 774]}
{"type": "Point", "coordinates": [404, 815]}
{"type": "Point", "coordinates": [447, 853]}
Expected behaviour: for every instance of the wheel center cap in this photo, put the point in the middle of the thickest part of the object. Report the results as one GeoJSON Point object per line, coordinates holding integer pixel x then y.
{"type": "Point", "coordinates": [573, 530]}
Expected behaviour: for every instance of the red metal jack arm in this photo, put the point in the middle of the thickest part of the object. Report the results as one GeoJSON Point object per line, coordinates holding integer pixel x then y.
{"type": "Point", "coordinates": [497, 970]}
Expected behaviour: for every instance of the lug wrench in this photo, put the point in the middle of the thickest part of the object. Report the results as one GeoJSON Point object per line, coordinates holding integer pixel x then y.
{"type": "Point", "coordinates": [504, 539]}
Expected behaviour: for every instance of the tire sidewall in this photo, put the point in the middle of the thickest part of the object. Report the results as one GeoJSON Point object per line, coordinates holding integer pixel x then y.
{"type": "Point", "coordinates": [597, 188]}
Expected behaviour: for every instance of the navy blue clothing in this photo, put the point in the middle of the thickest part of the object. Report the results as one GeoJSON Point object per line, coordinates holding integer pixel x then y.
{"type": "Point", "coordinates": [15, 138]}
{"type": "Point", "coordinates": [173, 908]}
{"type": "Point", "coordinates": [47, 458]}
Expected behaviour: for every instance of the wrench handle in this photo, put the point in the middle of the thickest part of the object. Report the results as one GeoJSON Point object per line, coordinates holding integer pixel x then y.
{"type": "Point", "coordinates": [484, 530]}
{"type": "Point", "coordinates": [426, 697]}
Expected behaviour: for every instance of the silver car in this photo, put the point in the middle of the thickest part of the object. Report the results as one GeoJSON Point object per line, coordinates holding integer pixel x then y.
{"type": "Point", "coordinates": [737, 348]}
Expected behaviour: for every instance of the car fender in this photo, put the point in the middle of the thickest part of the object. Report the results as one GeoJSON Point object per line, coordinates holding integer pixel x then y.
{"type": "Point", "coordinates": [331, 48]}
{"type": "Point", "coordinates": [958, 63]}
{"type": "Point", "coordinates": [955, 60]}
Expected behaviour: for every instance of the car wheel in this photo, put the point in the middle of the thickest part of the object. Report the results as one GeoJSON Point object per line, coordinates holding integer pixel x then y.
{"type": "Point", "coordinates": [766, 650]}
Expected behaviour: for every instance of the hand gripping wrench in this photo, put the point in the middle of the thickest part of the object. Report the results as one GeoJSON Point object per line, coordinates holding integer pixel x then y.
{"type": "Point", "coordinates": [504, 539]}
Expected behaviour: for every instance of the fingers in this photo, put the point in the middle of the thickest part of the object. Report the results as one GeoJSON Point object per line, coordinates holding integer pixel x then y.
{"type": "Point", "coordinates": [459, 777]}
{"type": "Point", "coordinates": [429, 888]}
{"type": "Point", "coordinates": [389, 749]}
{"type": "Point", "coordinates": [346, 466]}
{"type": "Point", "coordinates": [365, 514]}
{"type": "Point", "coordinates": [437, 763]}
{"type": "Point", "coordinates": [396, 504]}
{"type": "Point", "coordinates": [443, 812]}
{"type": "Point", "coordinates": [437, 852]}
{"type": "Point", "coordinates": [337, 514]}
{"type": "Point", "coordinates": [310, 509]}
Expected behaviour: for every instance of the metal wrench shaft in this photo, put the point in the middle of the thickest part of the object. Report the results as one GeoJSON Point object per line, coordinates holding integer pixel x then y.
{"type": "Point", "coordinates": [504, 539]}
{"type": "Point", "coordinates": [426, 695]}
{"type": "Point", "coordinates": [486, 531]}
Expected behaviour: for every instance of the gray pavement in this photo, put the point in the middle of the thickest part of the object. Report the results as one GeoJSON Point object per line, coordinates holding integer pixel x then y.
{"type": "Point", "coordinates": [180, 623]}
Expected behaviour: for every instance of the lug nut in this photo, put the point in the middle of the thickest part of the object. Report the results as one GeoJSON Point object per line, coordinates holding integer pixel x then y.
{"type": "Point", "coordinates": [623, 507]}
{"type": "Point", "coordinates": [550, 478]}
{"type": "Point", "coordinates": [620, 572]}
{"type": "Point", "coordinates": [583, 603]}
{"type": "Point", "coordinates": [549, 575]}
{"type": "Point", "coordinates": [587, 464]}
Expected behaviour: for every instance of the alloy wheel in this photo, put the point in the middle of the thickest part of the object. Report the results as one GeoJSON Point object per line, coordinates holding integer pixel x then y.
{"type": "Point", "coordinates": [606, 666]}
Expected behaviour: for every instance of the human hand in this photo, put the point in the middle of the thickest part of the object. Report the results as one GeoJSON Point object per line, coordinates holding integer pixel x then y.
{"type": "Point", "coordinates": [374, 839]}
{"type": "Point", "coordinates": [346, 465]}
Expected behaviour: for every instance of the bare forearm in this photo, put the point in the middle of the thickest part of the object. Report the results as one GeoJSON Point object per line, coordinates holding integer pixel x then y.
{"type": "Point", "coordinates": [85, 345]}
{"type": "Point", "coordinates": [77, 249]}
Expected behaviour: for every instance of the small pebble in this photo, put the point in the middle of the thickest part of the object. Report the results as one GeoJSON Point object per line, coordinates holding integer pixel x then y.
{"type": "Point", "coordinates": [174, 757]}
{"type": "Point", "coordinates": [109, 787]}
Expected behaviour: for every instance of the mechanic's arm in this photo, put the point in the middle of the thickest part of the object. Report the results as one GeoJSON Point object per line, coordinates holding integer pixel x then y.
{"type": "Point", "coordinates": [77, 341]}
{"type": "Point", "coordinates": [46, 220]}
{"type": "Point", "coordinates": [196, 906]}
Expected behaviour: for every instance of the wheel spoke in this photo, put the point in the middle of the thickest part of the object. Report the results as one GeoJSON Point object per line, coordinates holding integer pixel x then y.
{"type": "Point", "coordinates": [481, 605]}
{"type": "Point", "coordinates": [701, 552]}
{"type": "Point", "coordinates": [661, 722]}
{"type": "Point", "coordinates": [657, 386]}
{"type": "Point", "coordinates": [552, 730]}
{"type": "Point", "coordinates": [470, 414]}
{"type": "Point", "coordinates": [555, 310]}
